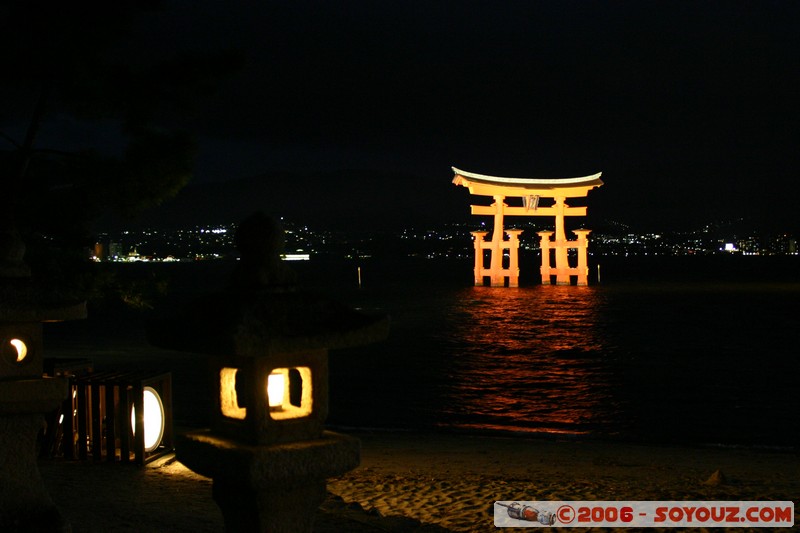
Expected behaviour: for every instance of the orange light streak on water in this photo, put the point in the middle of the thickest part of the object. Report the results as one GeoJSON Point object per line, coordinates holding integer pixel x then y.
{"type": "Point", "coordinates": [534, 355]}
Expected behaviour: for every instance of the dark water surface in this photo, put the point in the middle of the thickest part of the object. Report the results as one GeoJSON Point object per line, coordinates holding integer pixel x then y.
{"type": "Point", "coordinates": [684, 350]}
{"type": "Point", "coordinates": [666, 360]}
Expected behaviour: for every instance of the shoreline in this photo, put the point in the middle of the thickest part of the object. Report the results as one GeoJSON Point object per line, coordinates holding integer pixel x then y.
{"type": "Point", "coordinates": [561, 436]}
{"type": "Point", "coordinates": [432, 482]}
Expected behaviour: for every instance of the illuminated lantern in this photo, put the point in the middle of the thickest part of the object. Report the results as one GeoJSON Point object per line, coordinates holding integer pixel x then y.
{"type": "Point", "coordinates": [267, 344]}
{"type": "Point", "coordinates": [124, 416]}
{"type": "Point", "coordinates": [272, 387]}
{"type": "Point", "coordinates": [21, 350]}
{"type": "Point", "coordinates": [265, 400]}
{"type": "Point", "coordinates": [25, 394]}
{"type": "Point", "coordinates": [152, 394]}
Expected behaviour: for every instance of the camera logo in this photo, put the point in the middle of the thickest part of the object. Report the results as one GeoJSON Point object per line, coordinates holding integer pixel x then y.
{"type": "Point", "coordinates": [518, 511]}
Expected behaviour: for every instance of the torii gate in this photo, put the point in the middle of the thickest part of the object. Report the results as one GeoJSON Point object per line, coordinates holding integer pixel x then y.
{"type": "Point", "coordinates": [531, 191]}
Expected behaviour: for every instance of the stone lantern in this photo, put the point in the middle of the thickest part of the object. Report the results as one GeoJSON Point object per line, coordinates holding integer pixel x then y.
{"type": "Point", "coordinates": [26, 396]}
{"type": "Point", "coordinates": [267, 450]}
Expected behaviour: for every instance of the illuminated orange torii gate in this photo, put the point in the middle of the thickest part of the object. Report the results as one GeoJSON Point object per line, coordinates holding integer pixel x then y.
{"type": "Point", "coordinates": [531, 191]}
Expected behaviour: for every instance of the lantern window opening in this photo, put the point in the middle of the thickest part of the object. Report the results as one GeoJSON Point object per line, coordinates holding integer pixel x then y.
{"type": "Point", "coordinates": [289, 392]}
{"type": "Point", "coordinates": [229, 402]}
{"type": "Point", "coordinates": [19, 350]}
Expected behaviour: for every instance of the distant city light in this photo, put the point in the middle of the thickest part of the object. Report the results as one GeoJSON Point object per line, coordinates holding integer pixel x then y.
{"type": "Point", "coordinates": [446, 241]}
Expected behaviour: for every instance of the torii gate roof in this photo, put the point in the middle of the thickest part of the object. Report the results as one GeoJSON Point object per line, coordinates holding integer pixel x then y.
{"type": "Point", "coordinates": [493, 185]}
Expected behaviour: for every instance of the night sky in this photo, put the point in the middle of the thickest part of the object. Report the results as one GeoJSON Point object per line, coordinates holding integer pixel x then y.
{"type": "Point", "coordinates": [690, 109]}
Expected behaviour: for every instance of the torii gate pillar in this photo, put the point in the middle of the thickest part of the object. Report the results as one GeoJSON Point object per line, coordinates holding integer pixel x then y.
{"type": "Point", "coordinates": [583, 264]}
{"type": "Point", "coordinates": [562, 246]}
{"type": "Point", "coordinates": [513, 257]}
{"type": "Point", "coordinates": [562, 270]}
{"type": "Point", "coordinates": [477, 239]}
{"type": "Point", "coordinates": [496, 272]}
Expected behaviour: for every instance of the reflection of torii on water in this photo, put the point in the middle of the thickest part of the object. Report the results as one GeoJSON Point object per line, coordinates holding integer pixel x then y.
{"type": "Point", "coordinates": [530, 190]}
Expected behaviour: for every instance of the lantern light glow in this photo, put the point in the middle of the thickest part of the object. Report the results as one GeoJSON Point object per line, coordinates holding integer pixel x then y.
{"type": "Point", "coordinates": [276, 389]}
{"type": "Point", "coordinates": [21, 348]}
{"type": "Point", "coordinates": [289, 392]}
{"type": "Point", "coordinates": [153, 419]}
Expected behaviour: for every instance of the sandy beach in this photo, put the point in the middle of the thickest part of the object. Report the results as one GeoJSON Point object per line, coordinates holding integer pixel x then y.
{"type": "Point", "coordinates": [411, 482]}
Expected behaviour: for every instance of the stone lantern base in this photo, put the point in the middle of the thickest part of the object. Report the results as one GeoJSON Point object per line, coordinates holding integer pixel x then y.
{"type": "Point", "coordinates": [24, 502]}
{"type": "Point", "coordinates": [269, 488]}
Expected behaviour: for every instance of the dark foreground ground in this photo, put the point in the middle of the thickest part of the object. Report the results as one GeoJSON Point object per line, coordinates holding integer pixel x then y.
{"type": "Point", "coordinates": [432, 482]}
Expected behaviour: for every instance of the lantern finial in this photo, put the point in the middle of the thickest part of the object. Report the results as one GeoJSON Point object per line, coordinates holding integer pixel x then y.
{"type": "Point", "coordinates": [12, 251]}
{"type": "Point", "coordinates": [260, 241]}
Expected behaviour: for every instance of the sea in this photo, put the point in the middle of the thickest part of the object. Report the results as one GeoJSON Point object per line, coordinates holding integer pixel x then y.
{"type": "Point", "coordinates": [700, 350]}
{"type": "Point", "coordinates": [669, 350]}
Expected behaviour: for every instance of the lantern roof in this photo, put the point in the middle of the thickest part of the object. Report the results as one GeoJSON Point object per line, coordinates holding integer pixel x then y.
{"type": "Point", "coordinates": [263, 311]}
{"type": "Point", "coordinates": [481, 184]}
{"type": "Point", "coordinates": [265, 322]}
{"type": "Point", "coordinates": [25, 301]}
